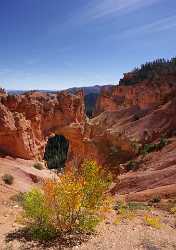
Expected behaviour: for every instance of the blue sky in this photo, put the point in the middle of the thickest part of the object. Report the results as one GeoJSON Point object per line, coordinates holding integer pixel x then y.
{"type": "Point", "coordinates": [56, 44]}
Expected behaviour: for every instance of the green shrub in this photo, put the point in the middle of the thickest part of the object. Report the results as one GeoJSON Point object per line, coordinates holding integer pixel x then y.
{"type": "Point", "coordinates": [137, 206]}
{"type": "Point", "coordinates": [163, 142]}
{"type": "Point", "coordinates": [148, 148]}
{"type": "Point", "coordinates": [8, 179]}
{"type": "Point", "coordinates": [38, 165]}
{"type": "Point", "coordinates": [37, 215]}
{"type": "Point", "coordinates": [136, 146]}
{"type": "Point", "coordinates": [123, 212]}
{"type": "Point", "coordinates": [132, 165]}
{"type": "Point", "coordinates": [130, 206]}
{"type": "Point", "coordinates": [155, 199]}
{"type": "Point", "coordinates": [75, 202]}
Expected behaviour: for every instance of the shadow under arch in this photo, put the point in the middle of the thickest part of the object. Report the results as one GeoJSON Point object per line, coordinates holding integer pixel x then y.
{"type": "Point", "coordinates": [56, 152]}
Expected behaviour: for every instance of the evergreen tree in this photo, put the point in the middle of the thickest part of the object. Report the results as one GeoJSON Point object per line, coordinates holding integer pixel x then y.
{"type": "Point", "coordinates": [151, 71]}
{"type": "Point", "coordinates": [56, 152]}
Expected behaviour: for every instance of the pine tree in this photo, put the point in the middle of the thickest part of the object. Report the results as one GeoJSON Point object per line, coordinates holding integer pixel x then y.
{"type": "Point", "coordinates": [56, 152]}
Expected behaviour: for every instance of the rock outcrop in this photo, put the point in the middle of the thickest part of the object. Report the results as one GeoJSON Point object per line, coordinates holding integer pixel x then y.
{"type": "Point", "coordinates": [136, 115]}
{"type": "Point", "coordinates": [156, 176]}
{"type": "Point", "coordinates": [27, 120]}
{"type": "Point", "coordinates": [144, 94]}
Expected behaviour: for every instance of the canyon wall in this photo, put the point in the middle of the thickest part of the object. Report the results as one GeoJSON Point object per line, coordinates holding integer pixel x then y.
{"type": "Point", "coordinates": [27, 120]}
{"type": "Point", "coordinates": [146, 94]}
{"type": "Point", "coordinates": [142, 113]}
{"type": "Point", "coordinates": [126, 116]}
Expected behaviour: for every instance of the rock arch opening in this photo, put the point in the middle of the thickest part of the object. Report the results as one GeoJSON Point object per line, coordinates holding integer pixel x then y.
{"type": "Point", "coordinates": [56, 152]}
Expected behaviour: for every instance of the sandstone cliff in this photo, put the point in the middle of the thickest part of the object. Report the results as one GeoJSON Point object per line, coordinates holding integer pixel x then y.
{"type": "Point", "coordinates": [144, 95]}
{"type": "Point", "coordinates": [139, 114]}
{"type": "Point", "coordinates": [27, 120]}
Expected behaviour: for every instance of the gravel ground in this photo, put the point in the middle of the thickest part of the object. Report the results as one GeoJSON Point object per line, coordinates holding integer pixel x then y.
{"type": "Point", "coordinates": [134, 234]}
{"type": "Point", "coordinates": [127, 235]}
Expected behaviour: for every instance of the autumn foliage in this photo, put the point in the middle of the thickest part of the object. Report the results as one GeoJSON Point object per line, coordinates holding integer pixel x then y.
{"type": "Point", "coordinates": [74, 202]}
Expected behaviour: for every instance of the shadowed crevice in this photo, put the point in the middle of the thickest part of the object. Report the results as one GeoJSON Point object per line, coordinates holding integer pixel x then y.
{"type": "Point", "coordinates": [56, 151]}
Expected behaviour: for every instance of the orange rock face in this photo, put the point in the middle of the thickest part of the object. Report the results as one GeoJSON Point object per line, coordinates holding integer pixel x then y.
{"type": "Point", "coordinates": [156, 176]}
{"type": "Point", "coordinates": [144, 95]}
{"type": "Point", "coordinates": [27, 120]}
{"type": "Point", "coordinates": [136, 115]}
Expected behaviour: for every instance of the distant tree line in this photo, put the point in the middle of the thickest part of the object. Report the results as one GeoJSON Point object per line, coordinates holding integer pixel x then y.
{"type": "Point", "coordinates": [150, 71]}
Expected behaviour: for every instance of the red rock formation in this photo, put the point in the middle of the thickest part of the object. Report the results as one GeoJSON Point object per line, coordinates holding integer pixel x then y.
{"type": "Point", "coordinates": [144, 95]}
{"type": "Point", "coordinates": [27, 120]}
{"type": "Point", "coordinates": [156, 176]}
{"type": "Point", "coordinates": [131, 115]}
{"type": "Point", "coordinates": [139, 114]}
{"type": "Point", "coordinates": [127, 116]}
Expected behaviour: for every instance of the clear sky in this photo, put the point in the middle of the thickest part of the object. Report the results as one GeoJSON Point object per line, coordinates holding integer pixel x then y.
{"type": "Point", "coordinates": [56, 44]}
